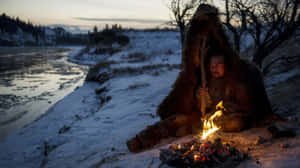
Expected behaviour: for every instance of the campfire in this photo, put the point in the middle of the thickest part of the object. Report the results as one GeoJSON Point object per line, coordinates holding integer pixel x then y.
{"type": "Point", "coordinates": [208, 124]}
{"type": "Point", "coordinates": [201, 152]}
{"type": "Point", "coordinates": [197, 154]}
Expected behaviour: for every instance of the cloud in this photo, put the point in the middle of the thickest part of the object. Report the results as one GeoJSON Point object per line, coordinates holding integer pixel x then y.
{"type": "Point", "coordinates": [126, 20]}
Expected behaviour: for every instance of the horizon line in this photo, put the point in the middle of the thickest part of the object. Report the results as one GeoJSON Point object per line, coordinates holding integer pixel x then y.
{"type": "Point", "coordinates": [123, 20]}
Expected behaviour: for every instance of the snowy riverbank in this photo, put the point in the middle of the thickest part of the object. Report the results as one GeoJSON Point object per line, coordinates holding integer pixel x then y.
{"type": "Point", "coordinates": [32, 79]}
{"type": "Point", "coordinates": [89, 129]}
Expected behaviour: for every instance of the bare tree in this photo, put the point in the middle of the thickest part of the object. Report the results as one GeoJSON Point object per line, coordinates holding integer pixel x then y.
{"type": "Point", "coordinates": [236, 20]}
{"type": "Point", "coordinates": [269, 22]}
{"type": "Point", "coordinates": [182, 11]}
{"type": "Point", "coordinates": [275, 23]}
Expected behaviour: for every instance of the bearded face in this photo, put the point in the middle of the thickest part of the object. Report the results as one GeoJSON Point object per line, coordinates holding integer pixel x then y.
{"type": "Point", "coordinates": [216, 66]}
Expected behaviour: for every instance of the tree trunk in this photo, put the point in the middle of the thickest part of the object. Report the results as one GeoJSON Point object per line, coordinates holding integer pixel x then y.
{"type": "Point", "coordinates": [237, 40]}
{"type": "Point", "coordinates": [181, 29]}
{"type": "Point", "coordinates": [258, 57]}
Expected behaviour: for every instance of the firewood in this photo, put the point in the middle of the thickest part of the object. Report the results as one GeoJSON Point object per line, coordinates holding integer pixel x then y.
{"type": "Point", "coordinates": [197, 154]}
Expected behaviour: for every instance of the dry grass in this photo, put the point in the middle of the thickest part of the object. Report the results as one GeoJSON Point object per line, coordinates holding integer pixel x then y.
{"type": "Point", "coordinates": [169, 52]}
{"type": "Point", "coordinates": [136, 57]}
{"type": "Point", "coordinates": [138, 85]}
{"type": "Point", "coordinates": [93, 73]}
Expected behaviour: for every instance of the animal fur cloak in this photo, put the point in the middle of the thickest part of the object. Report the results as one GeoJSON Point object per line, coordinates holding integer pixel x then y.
{"type": "Point", "coordinates": [181, 99]}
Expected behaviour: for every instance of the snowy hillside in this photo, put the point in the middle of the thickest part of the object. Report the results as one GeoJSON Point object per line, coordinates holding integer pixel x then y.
{"type": "Point", "coordinates": [89, 127]}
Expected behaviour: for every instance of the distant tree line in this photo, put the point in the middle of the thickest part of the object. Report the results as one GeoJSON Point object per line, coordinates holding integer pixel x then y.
{"type": "Point", "coordinates": [113, 37]}
{"type": "Point", "coordinates": [108, 36]}
{"type": "Point", "coordinates": [59, 36]}
{"type": "Point", "coordinates": [12, 25]}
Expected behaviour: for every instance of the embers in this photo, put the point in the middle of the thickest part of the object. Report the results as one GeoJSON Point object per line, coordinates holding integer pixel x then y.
{"type": "Point", "coordinates": [197, 154]}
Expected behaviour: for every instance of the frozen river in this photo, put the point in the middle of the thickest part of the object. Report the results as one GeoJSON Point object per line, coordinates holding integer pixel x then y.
{"type": "Point", "coordinates": [31, 81]}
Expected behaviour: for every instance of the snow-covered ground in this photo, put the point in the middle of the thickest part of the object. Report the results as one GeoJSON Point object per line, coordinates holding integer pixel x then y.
{"type": "Point", "coordinates": [86, 129]}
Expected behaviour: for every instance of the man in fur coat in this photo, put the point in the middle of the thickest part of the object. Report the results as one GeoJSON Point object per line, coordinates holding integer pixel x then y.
{"type": "Point", "coordinates": [236, 82]}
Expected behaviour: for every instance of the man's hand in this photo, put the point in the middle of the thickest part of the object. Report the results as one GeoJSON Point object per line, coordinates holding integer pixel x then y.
{"type": "Point", "coordinates": [202, 93]}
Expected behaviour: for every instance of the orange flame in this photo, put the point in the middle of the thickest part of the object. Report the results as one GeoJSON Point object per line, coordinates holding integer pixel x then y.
{"type": "Point", "coordinates": [196, 158]}
{"type": "Point", "coordinates": [209, 126]}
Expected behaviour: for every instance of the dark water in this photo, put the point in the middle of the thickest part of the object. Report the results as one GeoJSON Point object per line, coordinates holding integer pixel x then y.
{"type": "Point", "coordinates": [31, 81]}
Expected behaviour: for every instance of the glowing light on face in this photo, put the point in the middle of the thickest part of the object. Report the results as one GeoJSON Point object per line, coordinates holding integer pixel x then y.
{"type": "Point", "coordinates": [216, 66]}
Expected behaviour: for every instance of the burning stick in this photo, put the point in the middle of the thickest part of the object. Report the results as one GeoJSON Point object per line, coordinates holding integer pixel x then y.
{"type": "Point", "coordinates": [208, 124]}
{"type": "Point", "coordinates": [203, 75]}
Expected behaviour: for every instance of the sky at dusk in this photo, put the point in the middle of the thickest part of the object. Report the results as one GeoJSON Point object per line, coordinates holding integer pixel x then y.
{"type": "Point", "coordinates": [84, 14]}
